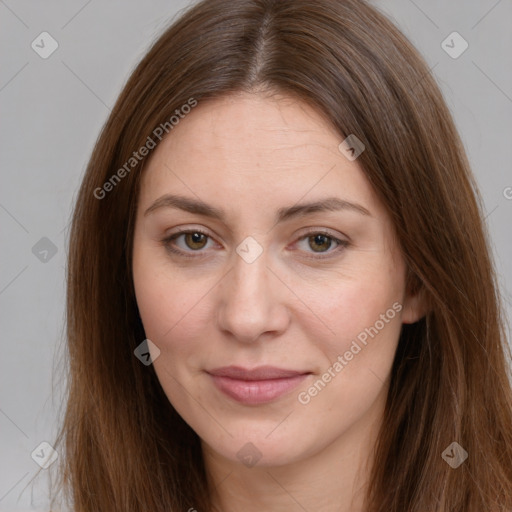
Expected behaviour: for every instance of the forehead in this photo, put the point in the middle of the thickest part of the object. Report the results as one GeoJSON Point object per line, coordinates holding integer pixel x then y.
{"type": "Point", "coordinates": [254, 147]}
{"type": "Point", "coordinates": [254, 125]}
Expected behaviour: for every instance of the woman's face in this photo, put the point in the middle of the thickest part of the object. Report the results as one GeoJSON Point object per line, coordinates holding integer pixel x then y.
{"type": "Point", "coordinates": [260, 246]}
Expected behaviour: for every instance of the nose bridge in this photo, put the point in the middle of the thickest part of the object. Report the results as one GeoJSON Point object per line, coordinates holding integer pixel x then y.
{"type": "Point", "coordinates": [249, 282]}
{"type": "Point", "coordinates": [249, 306]}
{"type": "Point", "coordinates": [250, 272]}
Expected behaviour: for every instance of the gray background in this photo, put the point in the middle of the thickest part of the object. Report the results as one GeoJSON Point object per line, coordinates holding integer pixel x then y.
{"type": "Point", "coordinates": [52, 111]}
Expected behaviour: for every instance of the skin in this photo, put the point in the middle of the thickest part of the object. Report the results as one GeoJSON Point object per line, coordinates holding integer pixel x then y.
{"type": "Point", "coordinates": [250, 155]}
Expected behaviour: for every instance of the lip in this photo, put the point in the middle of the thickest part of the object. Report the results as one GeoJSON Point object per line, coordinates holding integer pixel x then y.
{"type": "Point", "coordinates": [258, 385]}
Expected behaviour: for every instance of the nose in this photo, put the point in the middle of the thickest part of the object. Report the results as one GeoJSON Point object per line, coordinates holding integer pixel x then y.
{"type": "Point", "coordinates": [252, 301]}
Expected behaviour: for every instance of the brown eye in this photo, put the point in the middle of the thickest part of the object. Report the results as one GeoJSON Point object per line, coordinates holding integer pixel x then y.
{"type": "Point", "coordinates": [321, 245]}
{"type": "Point", "coordinates": [195, 240]}
{"type": "Point", "coordinates": [319, 242]}
{"type": "Point", "coordinates": [185, 243]}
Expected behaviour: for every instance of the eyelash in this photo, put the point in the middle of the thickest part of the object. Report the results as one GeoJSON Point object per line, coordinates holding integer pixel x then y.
{"type": "Point", "coordinates": [167, 242]}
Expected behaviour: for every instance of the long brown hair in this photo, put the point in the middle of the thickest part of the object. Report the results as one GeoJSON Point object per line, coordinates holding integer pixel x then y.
{"type": "Point", "coordinates": [123, 446]}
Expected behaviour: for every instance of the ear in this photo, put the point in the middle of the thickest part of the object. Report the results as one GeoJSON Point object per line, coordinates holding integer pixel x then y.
{"type": "Point", "coordinates": [415, 305]}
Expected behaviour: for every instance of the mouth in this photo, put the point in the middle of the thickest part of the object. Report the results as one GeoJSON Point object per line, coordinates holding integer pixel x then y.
{"type": "Point", "coordinates": [258, 385]}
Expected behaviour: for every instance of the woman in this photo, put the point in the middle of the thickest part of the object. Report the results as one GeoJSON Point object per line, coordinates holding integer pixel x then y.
{"type": "Point", "coordinates": [280, 294]}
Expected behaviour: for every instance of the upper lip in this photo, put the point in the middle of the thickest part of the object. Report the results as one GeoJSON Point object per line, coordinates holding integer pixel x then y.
{"type": "Point", "coordinates": [259, 373]}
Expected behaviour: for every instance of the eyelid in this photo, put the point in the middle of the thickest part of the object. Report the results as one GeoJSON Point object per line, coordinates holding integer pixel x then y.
{"type": "Point", "coordinates": [189, 229]}
{"type": "Point", "coordinates": [314, 230]}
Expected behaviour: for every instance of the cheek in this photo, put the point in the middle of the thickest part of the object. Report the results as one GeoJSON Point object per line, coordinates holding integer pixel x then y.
{"type": "Point", "coordinates": [360, 356]}
{"type": "Point", "coordinates": [357, 358]}
{"type": "Point", "coordinates": [356, 309]}
{"type": "Point", "coordinates": [175, 312]}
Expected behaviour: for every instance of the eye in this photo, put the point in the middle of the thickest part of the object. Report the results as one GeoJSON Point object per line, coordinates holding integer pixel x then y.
{"type": "Point", "coordinates": [182, 242]}
{"type": "Point", "coordinates": [321, 243]}
{"type": "Point", "coordinates": [192, 242]}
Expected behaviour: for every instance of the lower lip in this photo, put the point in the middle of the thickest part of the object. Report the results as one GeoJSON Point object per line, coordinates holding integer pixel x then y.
{"type": "Point", "coordinates": [255, 392]}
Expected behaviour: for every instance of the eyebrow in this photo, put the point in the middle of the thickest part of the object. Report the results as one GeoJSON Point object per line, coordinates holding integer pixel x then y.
{"type": "Point", "coordinates": [201, 208]}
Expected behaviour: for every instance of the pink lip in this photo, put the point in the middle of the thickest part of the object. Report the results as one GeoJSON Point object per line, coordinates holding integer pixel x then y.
{"type": "Point", "coordinates": [256, 386]}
